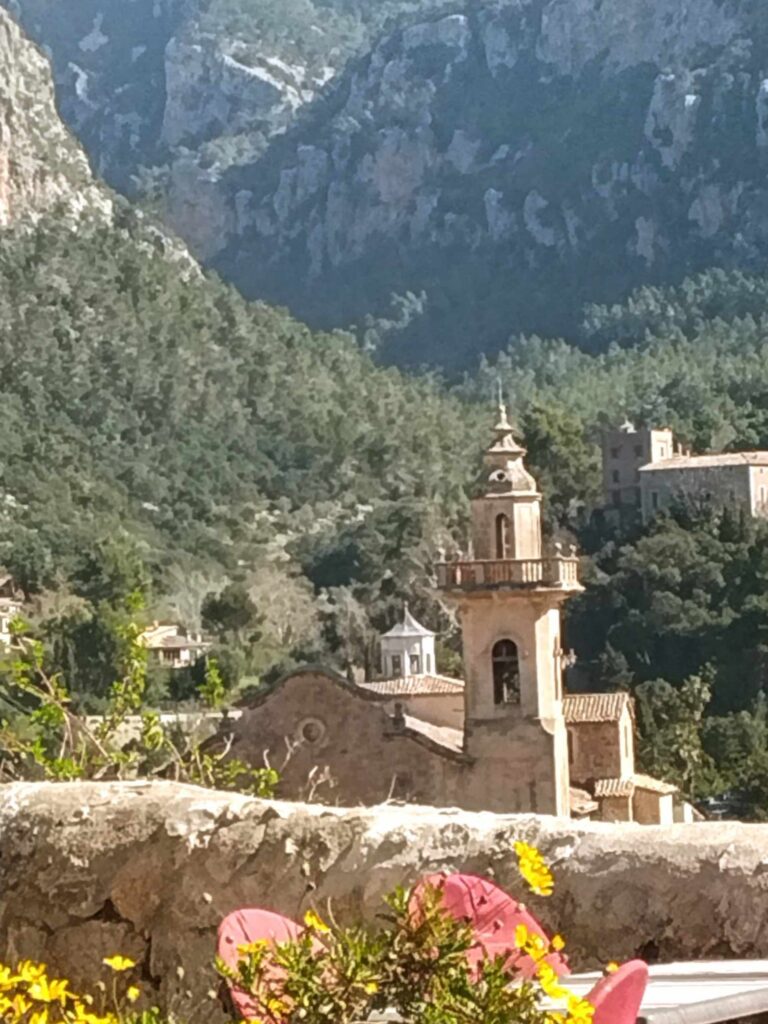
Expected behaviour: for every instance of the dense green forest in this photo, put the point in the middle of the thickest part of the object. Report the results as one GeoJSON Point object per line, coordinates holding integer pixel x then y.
{"type": "Point", "coordinates": [162, 435]}
{"type": "Point", "coordinates": [172, 450]}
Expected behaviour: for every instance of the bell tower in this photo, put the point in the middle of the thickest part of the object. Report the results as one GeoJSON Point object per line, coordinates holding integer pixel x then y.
{"type": "Point", "coordinates": [508, 594]}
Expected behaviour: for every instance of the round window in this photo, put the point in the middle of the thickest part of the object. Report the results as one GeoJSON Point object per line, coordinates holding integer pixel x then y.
{"type": "Point", "coordinates": [312, 731]}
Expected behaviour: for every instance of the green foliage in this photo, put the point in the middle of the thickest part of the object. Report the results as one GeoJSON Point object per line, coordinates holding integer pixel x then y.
{"type": "Point", "coordinates": [213, 691]}
{"type": "Point", "coordinates": [162, 434]}
{"type": "Point", "coordinates": [417, 965]}
{"type": "Point", "coordinates": [46, 738]}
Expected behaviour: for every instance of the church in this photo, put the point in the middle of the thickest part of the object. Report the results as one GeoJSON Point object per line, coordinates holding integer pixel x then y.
{"type": "Point", "coordinates": [506, 738]}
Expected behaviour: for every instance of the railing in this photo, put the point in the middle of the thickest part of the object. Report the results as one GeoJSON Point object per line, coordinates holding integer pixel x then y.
{"type": "Point", "coordinates": [555, 571]}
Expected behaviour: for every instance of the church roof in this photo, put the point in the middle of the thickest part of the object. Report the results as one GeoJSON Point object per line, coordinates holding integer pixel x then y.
{"type": "Point", "coordinates": [415, 686]}
{"type": "Point", "coordinates": [626, 787]}
{"type": "Point", "coordinates": [707, 461]}
{"type": "Point", "coordinates": [595, 707]}
{"type": "Point", "coordinates": [409, 627]}
{"type": "Point", "coordinates": [443, 735]}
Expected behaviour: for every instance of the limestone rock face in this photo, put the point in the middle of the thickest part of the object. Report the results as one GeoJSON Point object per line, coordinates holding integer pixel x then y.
{"type": "Point", "coordinates": [517, 151]}
{"type": "Point", "coordinates": [508, 159]}
{"type": "Point", "coordinates": [149, 869]}
{"type": "Point", "coordinates": [41, 166]}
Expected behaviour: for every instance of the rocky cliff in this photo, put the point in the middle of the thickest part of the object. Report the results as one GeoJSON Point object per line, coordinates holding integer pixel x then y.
{"type": "Point", "coordinates": [503, 160]}
{"type": "Point", "coordinates": [167, 94]}
{"type": "Point", "coordinates": [41, 166]}
{"type": "Point", "coordinates": [513, 160]}
{"type": "Point", "coordinates": [149, 870]}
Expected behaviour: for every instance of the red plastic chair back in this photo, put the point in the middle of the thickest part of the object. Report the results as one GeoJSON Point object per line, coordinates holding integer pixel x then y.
{"type": "Point", "coordinates": [617, 998]}
{"type": "Point", "coordinates": [242, 927]}
{"type": "Point", "coordinates": [494, 916]}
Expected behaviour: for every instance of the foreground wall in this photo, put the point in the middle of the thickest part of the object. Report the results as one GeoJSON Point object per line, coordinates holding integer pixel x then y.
{"type": "Point", "coordinates": [149, 869]}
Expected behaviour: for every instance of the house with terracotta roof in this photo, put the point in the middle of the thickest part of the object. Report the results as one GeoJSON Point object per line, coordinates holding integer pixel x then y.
{"type": "Point", "coordinates": [505, 738]}
{"type": "Point", "coordinates": [171, 646]}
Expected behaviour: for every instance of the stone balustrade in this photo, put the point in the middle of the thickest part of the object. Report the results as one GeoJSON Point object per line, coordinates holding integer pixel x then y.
{"type": "Point", "coordinates": [554, 571]}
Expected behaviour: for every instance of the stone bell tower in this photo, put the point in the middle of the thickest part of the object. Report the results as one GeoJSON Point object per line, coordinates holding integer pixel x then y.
{"type": "Point", "coordinates": [508, 594]}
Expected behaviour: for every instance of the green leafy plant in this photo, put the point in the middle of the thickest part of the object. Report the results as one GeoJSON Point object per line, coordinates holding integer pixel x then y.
{"type": "Point", "coordinates": [417, 964]}
{"type": "Point", "coordinates": [49, 739]}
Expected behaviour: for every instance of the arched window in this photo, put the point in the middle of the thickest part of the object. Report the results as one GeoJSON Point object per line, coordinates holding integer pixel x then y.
{"type": "Point", "coordinates": [506, 673]}
{"type": "Point", "coordinates": [502, 536]}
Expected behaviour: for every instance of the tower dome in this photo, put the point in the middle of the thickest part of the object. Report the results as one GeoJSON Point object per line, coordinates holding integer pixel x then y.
{"type": "Point", "coordinates": [408, 649]}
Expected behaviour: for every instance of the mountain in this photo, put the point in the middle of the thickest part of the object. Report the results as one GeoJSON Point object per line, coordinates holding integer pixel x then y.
{"type": "Point", "coordinates": [167, 94]}
{"type": "Point", "coordinates": [494, 164]}
{"type": "Point", "coordinates": [513, 161]}
{"type": "Point", "coordinates": [41, 165]}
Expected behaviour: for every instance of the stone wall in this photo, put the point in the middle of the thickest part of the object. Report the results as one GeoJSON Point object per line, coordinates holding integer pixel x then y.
{"type": "Point", "coordinates": [149, 869]}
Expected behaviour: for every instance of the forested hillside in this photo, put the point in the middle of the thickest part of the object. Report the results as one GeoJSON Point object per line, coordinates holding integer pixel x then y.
{"type": "Point", "coordinates": [149, 407]}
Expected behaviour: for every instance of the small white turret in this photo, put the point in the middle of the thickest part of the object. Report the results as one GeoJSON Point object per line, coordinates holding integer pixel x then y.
{"type": "Point", "coordinates": [408, 649]}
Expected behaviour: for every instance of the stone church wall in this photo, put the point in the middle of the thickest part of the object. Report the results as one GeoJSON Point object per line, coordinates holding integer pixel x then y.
{"type": "Point", "coordinates": [149, 869]}
{"type": "Point", "coordinates": [323, 722]}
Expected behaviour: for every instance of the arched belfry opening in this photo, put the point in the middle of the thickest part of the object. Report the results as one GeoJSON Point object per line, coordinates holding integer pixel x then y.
{"type": "Point", "coordinates": [506, 672]}
{"type": "Point", "coordinates": [502, 536]}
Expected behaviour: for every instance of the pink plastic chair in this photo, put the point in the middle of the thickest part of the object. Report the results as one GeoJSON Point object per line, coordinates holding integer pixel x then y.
{"type": "Point", "coordinates": [617, 997]}
{"type": "Point", "coordinates": [494, 917]}
{"type": "Point", "coordinates": [242, 927]}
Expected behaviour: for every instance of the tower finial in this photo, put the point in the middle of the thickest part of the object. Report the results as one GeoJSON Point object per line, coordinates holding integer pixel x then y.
{"type": "Point", "coordinates": [503, 423]}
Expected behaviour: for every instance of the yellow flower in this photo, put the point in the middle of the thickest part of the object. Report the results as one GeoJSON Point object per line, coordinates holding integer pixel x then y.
{"type": "Point", "coordinates": [39, 1017]}
{"type": "Point", "coordinates": [119, 963]}
{"type": "Point", "coordinates": [521, 936]}
{"type": "Point", "coordinates": [45, 991]}
{"type": "Point", "coordinates": [371, 988]}
{"type": "Point", "coordinates": [252, 947]}
{"type": "Point", "coordinates": [533, 869]}
{"type": "Point", "coordinates": [31, 972]}
{"type": "Point", "coordinates": [133, 993]}
{"type": "Point", "coordinates": [314, 922]}
{"type": "Point", "coordinates": [558, 943]}
{"type": "Point", "coordinates": [8, 977]}
{"type": "Point", "coordinates": [579, 1011]}
{"type": "Point", "coordinates": [612, 967]}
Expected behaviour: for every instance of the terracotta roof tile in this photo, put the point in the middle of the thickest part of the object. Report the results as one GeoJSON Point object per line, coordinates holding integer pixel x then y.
{"type": "Point", "coordinates": [595, 707]}
{"type": "Point", "coordinates": [626, 787]}
{"type": "Point", "coordinates": [614, 787]}
{"type": "Point", "coordinates": [414, 686]}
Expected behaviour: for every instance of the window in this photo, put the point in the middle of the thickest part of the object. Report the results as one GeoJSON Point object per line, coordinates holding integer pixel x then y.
{"type": "Point", "coordinates": [616, 497]}
{"type": "Point", "coordinates": [415, 665]}
{"type": "Point", "coordinates": [506, 673]}
{"type": "Point", "coordinates": [654, 500]}
{"type": "Point", "coordinates": [428, 660]}
{"type": "Point", "coordinates": [639, 451]}
{"type": "Point", "coordinates": [502, 536]}
{"type": "Point", "coordinates": [397, 666]}
{"type": "Point", "coordinates": [663, 451]}
{"type": "Point", "coordinates": [616, 475]}
{"type": "Point", "coordinates": [615, 453]}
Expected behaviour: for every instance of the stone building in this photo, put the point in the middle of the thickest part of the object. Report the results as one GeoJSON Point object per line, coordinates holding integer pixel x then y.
{"type": "Point", "coordinates": [625, 451]}
{"type": "Point", "coordinates": [645, 470]}
{"type": "Point", "coordinates": [504, 739]}
{"type": "Point", "coordinates": [737, 480]}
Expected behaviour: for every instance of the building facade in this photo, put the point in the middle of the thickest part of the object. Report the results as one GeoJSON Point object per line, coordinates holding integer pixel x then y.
{"type": "Point", "coordinates": [506, 738]}
{"type": "Point", "coordinates": [736, 480]}
{"type": "Point", "coordinates": [646, 470]}
{"type": "Point", "coordinates": [625, 451]}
